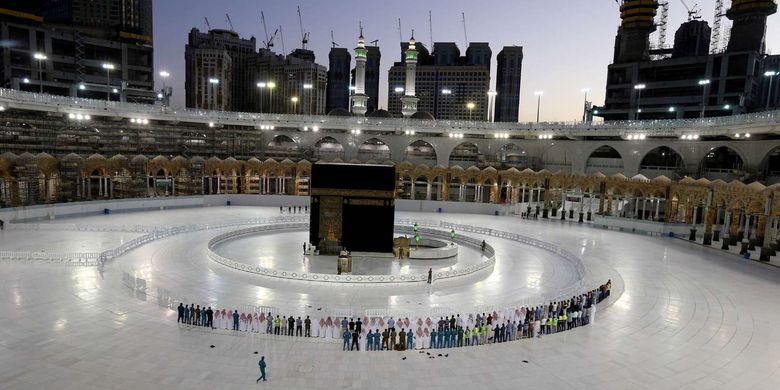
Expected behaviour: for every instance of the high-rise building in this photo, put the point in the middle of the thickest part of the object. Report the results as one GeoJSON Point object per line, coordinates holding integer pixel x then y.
{"type": "Point", "coordinates": [690, 83]}
{"type": "Point", "coordinates": [373, 59]}
{"type": "Point", "coordinates": [448, 85]}
{"type": "Point", "coordinates": [299, 84]}
{"type": "Point", "coordinates": [209, 49]}
{"type": "Point", "coordinates": [127, 16]}
{"type": "Point", "coordinates": [209, 78]}
{"type": "Point", "coordinates": [339, 63]}
{"type": "Point", "coordinates": [509, 72]}
{"type": "Point", "coordinates": [94, 49]}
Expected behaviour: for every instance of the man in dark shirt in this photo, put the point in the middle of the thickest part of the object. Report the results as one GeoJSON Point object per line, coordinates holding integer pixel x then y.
{"type": "Point", "coordinates": [351, 324]}
{"type": "Point", "coordinates": [359, 325]}
{"type": "Point", "coordinates": [299, 327]}
{"type": "Point", "coordinates": [307, 326]}
{"type": "Point", "coordinates": [197, 315]}
{"type": "Point", "coordinates": [210, 318]}
{"type": "Point", "coordinates": [355, 344]}
{"type": "Point", "coordinates": [180, 318]}
{"type": "Point", "coordinates": [290, 326]}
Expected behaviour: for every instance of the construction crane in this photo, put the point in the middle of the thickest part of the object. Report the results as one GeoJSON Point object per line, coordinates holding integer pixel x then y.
{"type": "Point", "coordinates": [400, 32]}
{"type": "Point", "coordinates": [465, 35]}
{"type": "Point", "coordinates": [230, 22]}
{"type": "Point", "coordinates": [664, 18]}
{"type": "Point", "coordinates": [717, 26]}
{"type": "Point", "coordinates": [269, 41]}
{"type": "Point", "coordinates": [693, 12]}
{"type": "Point", "coordinates": [281, 35]}
{"type": "Point", "coordinates": [375, 42]}
{"type": "Point", "coordinates": [208, 26]}
{"type": "Point", "coordinates": [430, 26]}
{"type": "Point", "coordinates": [304, 35]}
{"type": "Point", "coordinates": [332, 39]}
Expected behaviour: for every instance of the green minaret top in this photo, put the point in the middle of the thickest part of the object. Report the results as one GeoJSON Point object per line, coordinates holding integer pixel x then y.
{"type": "Point", "coordinates": [360, 50]}
{"type": "Point", "coordinates": [411, 52]}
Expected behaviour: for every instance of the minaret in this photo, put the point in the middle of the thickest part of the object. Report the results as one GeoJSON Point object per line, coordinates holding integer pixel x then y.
{"type": "Point", "coordinates": [632, 43]}
{"type": "Point", "coordinates": [748, 31]}
{"type": "Point", "coordinates": [409, 101]}
{"type": "Point", "coordinates": [360, 99]}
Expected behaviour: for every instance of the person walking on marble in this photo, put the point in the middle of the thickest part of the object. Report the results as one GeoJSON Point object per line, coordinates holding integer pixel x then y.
{"type": "Point", "coordinates": [261, 364]}
{"type": "Point", "coordinates": [235, 320]}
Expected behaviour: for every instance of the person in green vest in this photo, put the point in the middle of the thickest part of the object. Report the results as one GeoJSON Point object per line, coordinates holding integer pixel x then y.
{"type": "Point", "coordinates": [467, 335]}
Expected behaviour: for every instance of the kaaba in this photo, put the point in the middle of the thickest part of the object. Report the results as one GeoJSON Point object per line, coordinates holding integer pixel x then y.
{"type": "Point", "coordinates": [352, 208]}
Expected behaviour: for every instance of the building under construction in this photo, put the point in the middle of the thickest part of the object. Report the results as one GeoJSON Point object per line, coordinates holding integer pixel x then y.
{"type": "Point", "coordinates": [694, 78]}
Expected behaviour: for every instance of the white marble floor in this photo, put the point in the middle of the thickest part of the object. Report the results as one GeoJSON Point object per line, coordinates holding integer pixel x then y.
{"type": "Point", "coordinates": [263, 249]}
{"type": "Point", "coordinates": [682, 317]}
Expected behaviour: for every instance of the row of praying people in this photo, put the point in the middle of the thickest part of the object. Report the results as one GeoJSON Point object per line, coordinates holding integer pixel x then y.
{"type": "Point", "coordinates": [383, 333]}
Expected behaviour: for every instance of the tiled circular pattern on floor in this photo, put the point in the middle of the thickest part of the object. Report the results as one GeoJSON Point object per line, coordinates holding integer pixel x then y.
{"type": "Point", "coordinates": [684, 317]}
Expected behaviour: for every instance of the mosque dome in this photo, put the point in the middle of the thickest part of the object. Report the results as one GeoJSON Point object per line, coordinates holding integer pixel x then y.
{"type": "Point", "coordinates": [379, 114]}
{"type": "Point", "coordinates": [339, 112]}
{"type": "Point", "coordinates": [423, 115]}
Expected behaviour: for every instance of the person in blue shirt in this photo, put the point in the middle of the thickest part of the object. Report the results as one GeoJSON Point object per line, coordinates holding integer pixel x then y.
{"type": "Point", "coordinates": [377, 340]}
{"type": "Point", "coordinates": [440, 340]}
{"type": "Point", "coordinates": [496, 333]}
{"type": "Point", "coordinates": [369, 341]}
{"type": "Point", "coordinates": [453, 337]}
{"type": "Point", "coordinates": [261, 363]}
{"type": "Point", "coordinates": [347, 336]}
{"type": "Point", "coordinates": [235, 320]}
{"type": "Point", "coordinates": [433, 338]}
{"type": "Point", "coordinates": [410, 340]}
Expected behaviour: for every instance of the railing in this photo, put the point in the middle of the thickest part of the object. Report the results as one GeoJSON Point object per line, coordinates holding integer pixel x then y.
{"type": "Point", "coordinates": [319, 277]}
{"type": "Point", "coordinates": [661, 127]}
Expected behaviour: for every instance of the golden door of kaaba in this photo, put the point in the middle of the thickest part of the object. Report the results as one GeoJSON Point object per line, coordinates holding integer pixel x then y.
{"type": "Point", "coordinates": [352, 208]}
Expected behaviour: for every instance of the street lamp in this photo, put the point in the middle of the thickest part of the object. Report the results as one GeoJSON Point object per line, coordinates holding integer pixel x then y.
{"type": "Point", "coordinates": [213, 87]}
{"type": "Point", "coordinates": [538, 103]}
{"type": "Point", "coordinates": [639, 88]}
{"type": "Point", "coordinates": [703, 84]}
{"type": "Point", "coordinates": [261, 85]}
{"type": "Point", "coordinates": [108, 67]}
{"type": "Point", "coordinates": [271, 85]}
{"type": "Point", "coordinates": [164, 76]}
{"type": "Point", "coordinates": [771, 74]}
{"type": "Point", "coordinates": [399, 89]}
{"type": "Point", "coordinates": [294, 101]}
{"type": "Point", "coordinates": [470, 106]}
{"type": "Point", "coordinates": [42, 57]}
{"type": "Point", "coordinates": [307, 97]}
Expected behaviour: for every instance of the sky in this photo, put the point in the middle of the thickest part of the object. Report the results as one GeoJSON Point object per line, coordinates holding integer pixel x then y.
{"type": "Point", "coordinates": [567, 44]}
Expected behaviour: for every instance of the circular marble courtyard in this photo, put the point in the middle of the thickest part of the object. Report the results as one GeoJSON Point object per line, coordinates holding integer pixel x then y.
{"type": "Point", "coordinates": [680, 315]}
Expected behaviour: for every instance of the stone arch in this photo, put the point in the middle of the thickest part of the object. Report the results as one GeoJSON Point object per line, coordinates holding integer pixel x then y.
{"type": "Point", "coordinates": [373, 149]}
{"type": "Point", "coordinates": [281, 147]}
{"type": "Point", "coordinates": [604, 159]}
{"type": "Point", "coordinates": [420, 152]}
{"type": "Point", "coordinates": [722, 162]}
{"type": "Point", "coordinates": [770, 166]}
{"type": "Point", "coordinates": [328, 148]}
{"type": "Point", "coordinates": [662, 160]}
{"type": "Point", "coordinates": [464, 154]}
{"type": "Point", "coordinates": [512, 155]}
{"type": "Point", "coordinates": [557, 157]}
